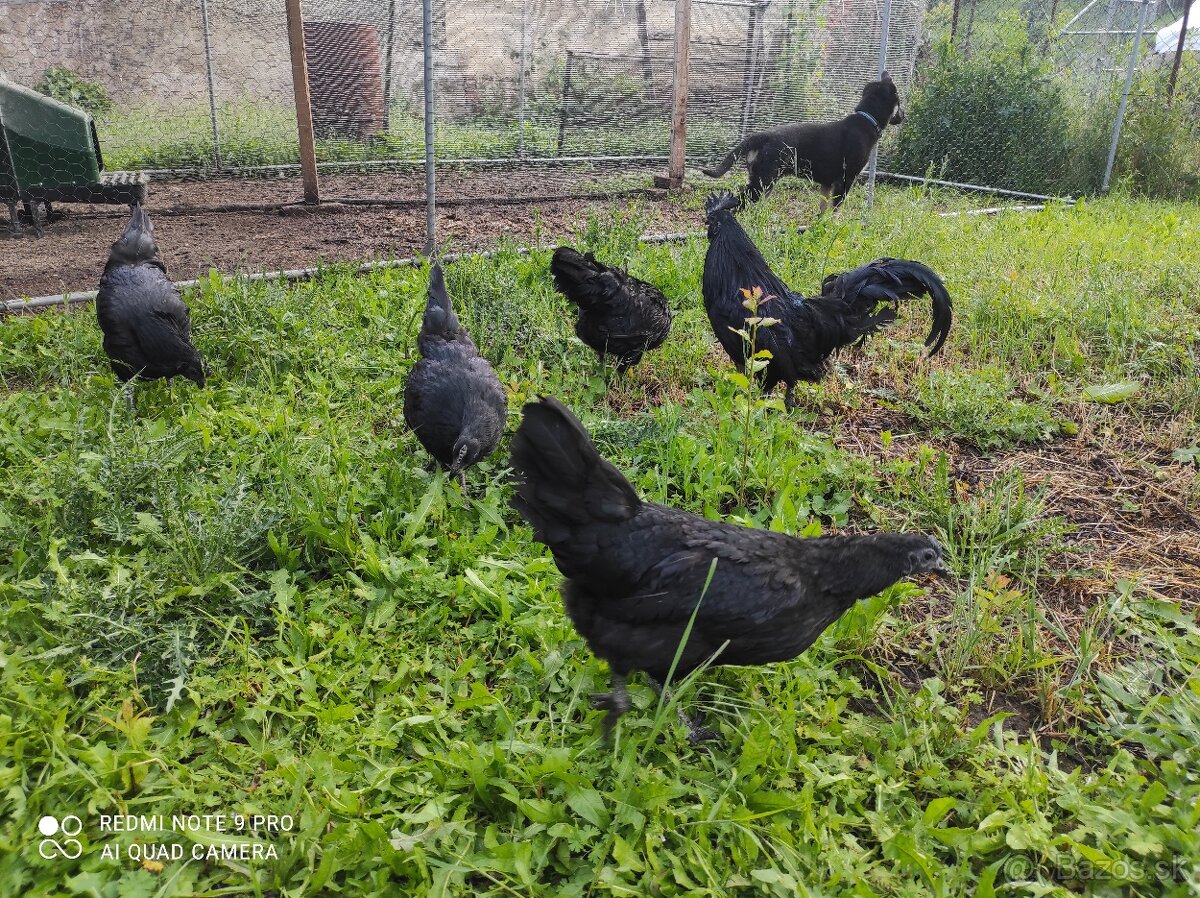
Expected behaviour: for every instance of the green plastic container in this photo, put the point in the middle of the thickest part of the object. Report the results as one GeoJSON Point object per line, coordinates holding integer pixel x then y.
{"type": "Point", "coordinates": [49, 144]}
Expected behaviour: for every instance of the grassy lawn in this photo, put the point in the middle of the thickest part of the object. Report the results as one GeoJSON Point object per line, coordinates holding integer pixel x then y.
{"type": "Point", "coordinates": [261, 134]}
{"type": "Point", "coordinates": [255, 599]}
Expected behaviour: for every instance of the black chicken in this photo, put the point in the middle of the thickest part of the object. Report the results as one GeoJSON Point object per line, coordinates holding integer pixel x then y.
{"type": "Point", "coordinates": [618, 314]}
{"type": "Point", "coordinates": [635, 571]}
{"type": "Point", "coordinates": [147, 327]}
{"type": "Point", "coordinates": [851, 307]}
{"type": "Point", "coordinates": [453, 400]}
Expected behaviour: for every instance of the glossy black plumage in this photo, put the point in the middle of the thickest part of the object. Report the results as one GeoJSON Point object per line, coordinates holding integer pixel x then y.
{"type": "Point", "coordinates": [851, 306]}
{"type": "Point", "coordinates": [635, 570]}
{"type": "Point", "coordinates": [619, 315]}
{"type": "Point", "coordinates": [147, 326]}
{"type": "Point", "coordinates": [453, 400]}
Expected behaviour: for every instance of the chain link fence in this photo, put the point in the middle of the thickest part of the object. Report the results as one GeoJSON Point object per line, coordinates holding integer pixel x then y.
{"type": "Point", "coordinates": [1037, 97]}
{"type": "Point", "coordinates": [196, 99]}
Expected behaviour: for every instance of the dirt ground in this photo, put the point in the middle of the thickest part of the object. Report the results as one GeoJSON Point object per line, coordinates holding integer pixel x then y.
{"type": "Point", "coordinates": [241, 225]}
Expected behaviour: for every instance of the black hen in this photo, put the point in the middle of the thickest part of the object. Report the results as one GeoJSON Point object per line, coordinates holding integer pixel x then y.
{"type": "Point", "coordinates": [147, 327]}
{"type": "Point", "coordinates": [618, 314]}
{"type": "Point", "coordinates": [635, 571]}
{"type": "Point", "coordinates": [453, 400]}
{"type": "Point", "coordinates": [851, 307]}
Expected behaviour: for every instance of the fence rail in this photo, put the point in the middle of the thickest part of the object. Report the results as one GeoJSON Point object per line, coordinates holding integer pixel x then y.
{"type": "Point", "coordinates": [563, 94]}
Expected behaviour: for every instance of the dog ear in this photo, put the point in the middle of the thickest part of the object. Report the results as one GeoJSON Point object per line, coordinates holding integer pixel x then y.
{"type": "Point", "coordinates": [885, 77]}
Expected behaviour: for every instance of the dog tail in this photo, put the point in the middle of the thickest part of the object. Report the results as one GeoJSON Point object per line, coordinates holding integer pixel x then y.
{"type": "Point", "coordinates": [724, 165]}
{"type": "Point", "coordinates": [748, 144]}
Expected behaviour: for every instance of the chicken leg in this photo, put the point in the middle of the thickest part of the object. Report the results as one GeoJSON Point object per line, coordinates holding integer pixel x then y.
{"type": "Point", "coordinates": [616, 702]}
{"type": "Point", "coordinates": [697, 731]}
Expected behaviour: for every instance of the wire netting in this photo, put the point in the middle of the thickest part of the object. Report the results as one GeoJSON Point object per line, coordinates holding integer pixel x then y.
{"type": "Point", "coordinates": [1026, 98]}
{"type": "Point", "coordinates": [549, 98]}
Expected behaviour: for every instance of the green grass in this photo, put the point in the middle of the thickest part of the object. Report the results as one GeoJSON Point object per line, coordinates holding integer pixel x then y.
{"type": "Point", "coordinates": [261, 134]}
{"type": "Point", "coordinates": [256, 599]}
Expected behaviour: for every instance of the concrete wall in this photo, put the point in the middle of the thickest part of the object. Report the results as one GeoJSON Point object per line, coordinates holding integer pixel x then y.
{"type": "Point", "coordinates": [154, 50]}
{"type": "Point", "coordinates": [149, 51]}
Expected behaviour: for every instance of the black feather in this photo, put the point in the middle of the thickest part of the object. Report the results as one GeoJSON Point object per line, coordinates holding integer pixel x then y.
{"type": "Point", "coordinates": [453, 400]}
{"type": "Point", "coordinates": [850, 307]}
{"type": "Point", "coordinates": [147, 326]}
{"type": "Point", "coordinates": [619, 315]}
{"type": "Point", "coordinates": [636, 570]}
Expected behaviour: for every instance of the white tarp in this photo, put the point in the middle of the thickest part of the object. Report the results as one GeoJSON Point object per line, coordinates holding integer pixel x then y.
{"type": "Point", "coordinates": [1167, 38]}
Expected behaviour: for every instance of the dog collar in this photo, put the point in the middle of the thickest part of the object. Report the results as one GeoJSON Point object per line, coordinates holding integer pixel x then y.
{"type": "Point", "coordinates": [870, 118]}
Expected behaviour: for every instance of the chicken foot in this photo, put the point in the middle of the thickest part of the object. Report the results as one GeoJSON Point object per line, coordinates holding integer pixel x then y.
{"type": "Point", "coordinates": [697, 731]}
{"type": "Point", "coordinates": [616, 702]}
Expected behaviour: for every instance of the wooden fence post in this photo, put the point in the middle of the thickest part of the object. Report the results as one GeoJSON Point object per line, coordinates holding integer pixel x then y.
{"type": "Point", "coordinates": [673, 179]}
{"type": "Point", "coordinates": [304, 124]}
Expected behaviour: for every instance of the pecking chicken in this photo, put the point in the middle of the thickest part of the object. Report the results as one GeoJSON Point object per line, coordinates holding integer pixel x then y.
{"type": "Point", "coordinates": [619, 315]}
{"type": "Point", "coordinates": [635, 571]}
{"type": "Point", "coordinates": [453, 400]}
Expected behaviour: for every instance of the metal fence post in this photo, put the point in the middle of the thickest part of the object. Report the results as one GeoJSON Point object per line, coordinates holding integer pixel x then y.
{"type": "Point", "coordinates": [644, 41]}
{"type": "Point", "coordinates": [212, 89]}
{"type": "Point", "coordinates": [748, 67]}
{"type": "Point", "coordinates": [1183, 30]}
{"type": "Point", "coordinates": [683, 40]}
{"type": "Point", "coordinates": [521, 83]}
{"type": "Point", "coordinates": [566, 94]}
{"type": "Point", "coordinates": [1134, 54]}
{"type": "Point", "coordinates": [430, 197]}
{"type": "Point", "coordinates": [304, 122]}
{"type": "Point", "coordinates": [387, 75]}
{"type": "Point", "coordinates": [885, 24]}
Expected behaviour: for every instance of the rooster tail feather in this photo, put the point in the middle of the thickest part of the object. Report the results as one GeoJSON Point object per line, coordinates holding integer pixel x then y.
{"type": "Point", "coordinates": [887, 281]}
{"type": "Point", "coordinates": [561, 482]}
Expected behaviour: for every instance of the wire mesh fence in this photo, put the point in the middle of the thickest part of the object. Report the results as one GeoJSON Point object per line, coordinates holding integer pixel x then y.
{"type": "Point", "coordinates": [1032, 98]}
{"type": "Point", "coordinates": [196, 100]}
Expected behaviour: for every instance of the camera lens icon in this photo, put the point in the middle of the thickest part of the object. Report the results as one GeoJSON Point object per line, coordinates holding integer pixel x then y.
{"type": "Point", "coordinates": [69, 847]}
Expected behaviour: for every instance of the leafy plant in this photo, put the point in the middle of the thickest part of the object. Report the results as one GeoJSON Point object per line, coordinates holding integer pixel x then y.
{"type": "Point", "coordinates": [747, 380]}
{"type": "Point", "coordinates": [68, 87]}
{"type": "Point", "coordinates": [976, 407]}
{"type": "Point", "coordinates": [995, 117]}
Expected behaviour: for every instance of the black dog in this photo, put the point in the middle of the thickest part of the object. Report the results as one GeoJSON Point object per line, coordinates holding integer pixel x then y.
{"type": "Point", "coordinates": [832, 154]}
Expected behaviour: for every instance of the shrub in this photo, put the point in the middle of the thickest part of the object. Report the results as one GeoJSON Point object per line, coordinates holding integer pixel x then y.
{"type": "Point", "coordinates": [64, 85]}
{"type": "Point", "coordinates": [1159, 152]}
{"type": "Point", "coordinates": [996, 118]}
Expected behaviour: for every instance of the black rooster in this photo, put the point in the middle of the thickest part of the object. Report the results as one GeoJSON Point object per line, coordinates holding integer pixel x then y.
{"type": "Point", "coordinates": [453, 400]}
{"type": "Point", "coordinates": [618, 314]}
{"type": "Point", "coordinates": [851, 307]}
{"type": "Point", "coordinates": [635, 571]}
{"type": "Point", "coordinates": [147, 327]}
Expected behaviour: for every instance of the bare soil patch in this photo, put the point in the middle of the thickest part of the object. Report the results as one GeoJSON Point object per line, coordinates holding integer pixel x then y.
{"type": "Point", "coordinates": [240, 225]}
{"type": "Point", "coordinates": [1132, 510]}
